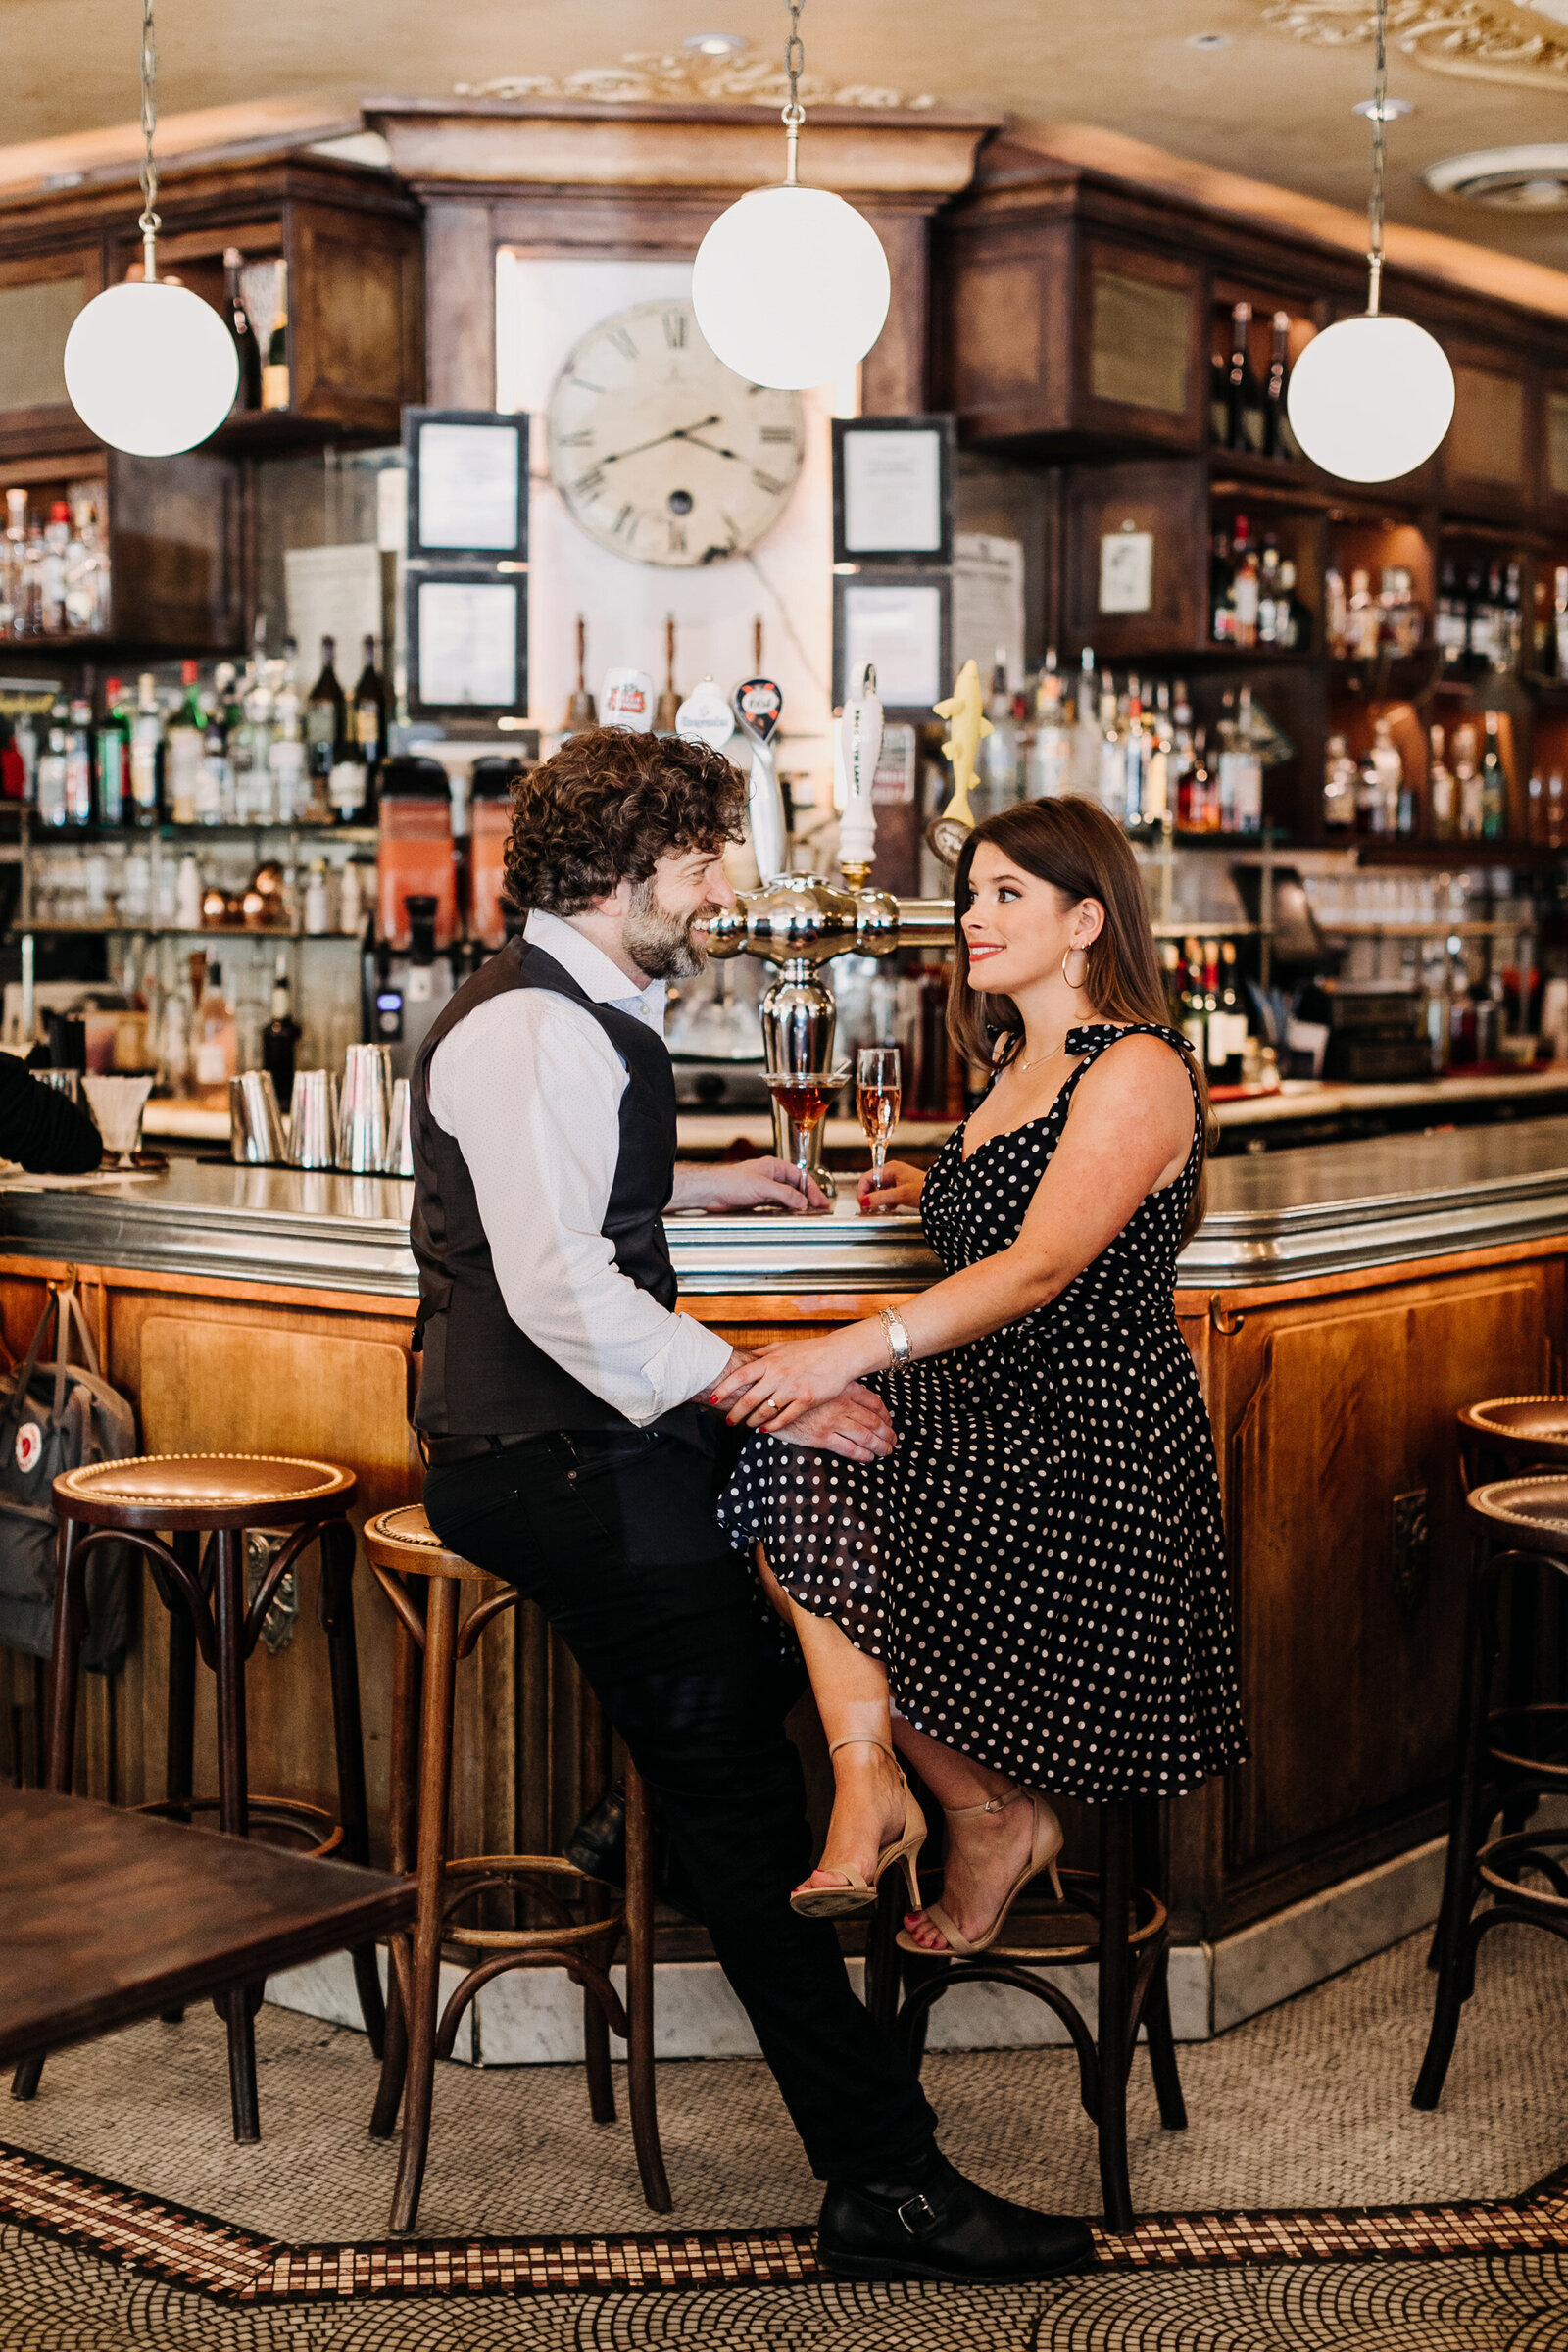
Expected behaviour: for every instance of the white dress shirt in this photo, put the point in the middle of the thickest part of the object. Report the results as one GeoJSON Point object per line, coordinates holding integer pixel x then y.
{"type": "Point", "coordinates": [530, 1086]}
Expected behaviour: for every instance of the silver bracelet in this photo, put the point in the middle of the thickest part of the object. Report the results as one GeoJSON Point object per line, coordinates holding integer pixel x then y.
{"type": "Point", "coordinates": [900, 1346]}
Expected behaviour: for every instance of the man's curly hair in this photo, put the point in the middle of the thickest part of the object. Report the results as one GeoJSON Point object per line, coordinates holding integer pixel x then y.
{"type": "Point", "coordinates": [605, 808]}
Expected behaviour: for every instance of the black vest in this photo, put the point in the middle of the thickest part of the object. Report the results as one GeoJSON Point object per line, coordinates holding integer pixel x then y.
{"type": "Point", "coordinates": [480, 1376]}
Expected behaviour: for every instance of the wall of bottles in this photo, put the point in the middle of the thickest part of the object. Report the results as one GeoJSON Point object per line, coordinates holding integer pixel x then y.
{"type": "Point", "coordinates": [55, 575]}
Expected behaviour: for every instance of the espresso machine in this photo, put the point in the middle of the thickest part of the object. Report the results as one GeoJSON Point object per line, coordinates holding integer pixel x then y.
{"type": "Point", "coordinates": [800, 922]}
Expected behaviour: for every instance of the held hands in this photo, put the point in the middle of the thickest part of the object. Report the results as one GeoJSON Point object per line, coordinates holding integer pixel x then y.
{"type": "Point", "coordinates": [775, 1388]}
{"type": "Point", "coordinates": [898, 1187]}
{"type": "Point", "coordinates": [856, 1424]}
{"type": "Point", "coordinates": [746, 1184]}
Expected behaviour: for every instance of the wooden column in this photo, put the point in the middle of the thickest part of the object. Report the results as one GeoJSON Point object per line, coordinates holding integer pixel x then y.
{"type": "Point", "coordinates": [460, 303]}
{"type": "Point", "coordinates": [893, 373]}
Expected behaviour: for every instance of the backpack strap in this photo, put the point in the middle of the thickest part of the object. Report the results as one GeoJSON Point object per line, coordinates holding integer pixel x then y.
{"type": "Point", "coordinates": [30, 1363]}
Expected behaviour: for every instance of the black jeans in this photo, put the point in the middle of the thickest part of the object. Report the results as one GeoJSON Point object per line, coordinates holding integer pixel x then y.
{"type": "Point", "coordinates": [613, 1536]}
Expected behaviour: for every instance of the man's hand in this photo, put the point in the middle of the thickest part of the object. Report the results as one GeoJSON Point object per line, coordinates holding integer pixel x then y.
{"type": "Point", "coordinates": [745, 1184]}
{"type": "Point", "coordinates": [856, 1424]}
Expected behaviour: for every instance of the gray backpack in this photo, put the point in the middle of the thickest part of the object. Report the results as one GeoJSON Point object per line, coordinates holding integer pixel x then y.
{"type": "Point", "coordinates": [53, 1418]}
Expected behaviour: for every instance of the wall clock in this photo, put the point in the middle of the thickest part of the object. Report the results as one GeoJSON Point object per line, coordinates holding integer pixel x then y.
{"type": "Point", "coordinates": [661, 453]}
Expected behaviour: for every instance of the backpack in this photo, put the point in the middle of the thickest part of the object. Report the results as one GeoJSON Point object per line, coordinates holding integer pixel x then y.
{"type": "Point", "coordinates": [53, 1418]}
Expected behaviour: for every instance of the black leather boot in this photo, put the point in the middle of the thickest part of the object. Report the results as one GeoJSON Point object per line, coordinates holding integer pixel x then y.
{"type": "Point", "coordinates": [934, 2224]}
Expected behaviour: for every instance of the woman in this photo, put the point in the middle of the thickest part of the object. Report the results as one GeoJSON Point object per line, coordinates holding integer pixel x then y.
{"type": "Point", "coordinates": [1030, 1591]}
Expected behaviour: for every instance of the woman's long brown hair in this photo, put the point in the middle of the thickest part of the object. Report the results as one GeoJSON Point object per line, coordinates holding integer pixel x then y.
{"type": "Point", "coordinates": [1072, 844]}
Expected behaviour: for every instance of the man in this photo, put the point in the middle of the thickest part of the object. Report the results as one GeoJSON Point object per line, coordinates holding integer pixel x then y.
{"type": "Point", "coordinates": [569, 1452]}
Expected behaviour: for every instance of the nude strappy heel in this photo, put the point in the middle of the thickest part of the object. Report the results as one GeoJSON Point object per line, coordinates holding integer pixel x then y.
{"type": "Point", "coordinates": [1044, 1848]}
{"type": "Point", "coordinates": [857, 1893]}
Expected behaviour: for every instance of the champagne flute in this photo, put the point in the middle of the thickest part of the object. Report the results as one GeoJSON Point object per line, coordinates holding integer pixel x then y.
{"type": "Point", "coordinates": [880, 1090]}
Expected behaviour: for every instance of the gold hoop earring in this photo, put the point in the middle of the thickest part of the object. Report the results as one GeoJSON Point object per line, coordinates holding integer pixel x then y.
{"type": "Point", "coordinates": [1083, 974]}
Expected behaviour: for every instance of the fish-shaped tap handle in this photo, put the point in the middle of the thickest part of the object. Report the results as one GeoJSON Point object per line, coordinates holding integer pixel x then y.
{"type": "Point", "coordinates": [968, 726]}
{"type": "Point", "coordinates": [759, 706]}
{"type": "Point", "coordinates": [857, 747]}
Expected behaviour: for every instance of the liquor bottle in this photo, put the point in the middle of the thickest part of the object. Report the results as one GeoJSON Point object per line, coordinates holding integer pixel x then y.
{"type": "Point", "coordinates": [51, 781]}
{"type": "Point", "coordinates": [287, 752]}
{"type": "Point", "coordinates": [183, 748]}
{"type": "Point", "coordinates": [1183, 787]}
{"type": "Point", "coordinates": [78, 766]}
{"type": "Point", "coordinates": [243, 332]}
{"type": "Point", "coordinates": [325, 715]}
{"type": "Point", "coordinates": [1536, 810]}
{"type": "Point", "coordinates": [1193, 1015]}
{"type": "Point", "coordinates": [1244, 421]}
{"type": "Point", "coordinates": [25, 737]}
{"type": "Point", "coordinates": [1278, 439]}
{"type": "Point", "coordinates": [1389, 768]}
{"type": "Point", "coordinates": [1047, 769]}
{"type": "Point", "coordinates": [1244, 585]}
{"type": "Point", "coordinates": [1336, 615]}
{"type": "Point", "coordinates": [1443, 792]}
{"type": "Point", "coordinates": [253, 778]}
{"type": "Point", "coordinates": [1135, 751]}
{"type": "Point", "coordinates": [1249, 773]}
{"type": "Point", "coordinates": [1449, 625]}
{"type": "Point", "coordinates": [1495, 609]}
{"type": "Point", "coordinates": [146, 754]}
{"type": "Point", "coordinates": [1510, 622]}
{"type": "Point", "coordinates": [1339, 775]}
{"type": "Point", "coordinates": [1294, 621]}
{"type": "Point", "coordinates": [1480, 621]}
{"type": "Point", "coordinates": [274, 375]}
{"type": "Point", "coordinates": [13, 578]}
{"type": "Point", "coordinates": [1369, 801]}
{"type": "Point", "coordinates": [369, 716]}
{"type": "Point", "coordinates": [1221, 606]}
{"type": "Point", "coordinates": [1225, 767]}
{"type": "Point", "coordinates": [1363, 620]}
{"type": "Point", "coordinates": [1268, 592]}
{"type": "Point", "coordinates": [52, 571]}
{"type": "Point", "coordinates": [33, 579]}
{"type": "Point", "coordinates": [281, 1036]}
{"type": "Point", "coordinates": [1170, 958]}
{"type": "Point", "coordinates": [1227, 1050]}
{"type": "Point", "coordinates": [1542, 647]}
{"type": "Point", "coordinates": [1493, 786]}
{"type": "Point", "coordinates": [1219, 393]}
{"type": "Point", "coordinates": [1110, 783]}
{"type": "Point", "coordinates": [582, 711]}
{"type": "Point", "coordinates": [1559, 618]}
{"type": "Point", "coordinates": [1161, 745]}
{"type": "Point", "coordinates": [213, 1060]}
{"type": "Point", "coordinates": [1467, 782]}
{"type": "Point", "coordinates": [112, 758]}
{"type": "Point", "coordinates": [1086, 731]}
{"type": "Point", "coordinates": [1206, 784]}
{"type": "Point", "coordinates": [998, 765]}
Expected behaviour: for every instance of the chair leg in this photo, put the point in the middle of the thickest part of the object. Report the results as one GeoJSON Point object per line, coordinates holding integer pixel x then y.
{"type": "Point", "coordinates": [65, 1667]}
{"type": "Point", "coordinates": [1525, 1604]}
{"type": "Point", "coordinates": [641, 2091]}
{"type": "Point", "coordinates": [435, 1791]}
{"type": "Point", "coordinates": [233, 1801]}
{"type": "Point", "coordinates": [1464, 1838]}
{"type": "Point", "coordinates": [353, 1804]}
{"type": "Point", "coordinates": [1115, 2010]}
{"type": "Point", "coordinates": [1149, 1870]}
{"type": "Point", "coordinates": [403, 1776]}
{"type": "Point", "coordinates": [179, 1730]}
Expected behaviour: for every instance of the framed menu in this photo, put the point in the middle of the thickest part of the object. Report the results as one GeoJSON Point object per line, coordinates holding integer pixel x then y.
{"type": "Point", "coordinates": [468, 644]}
{"type": "Point", "coordinates": [902, 621]}
{"type": "Point", "coordinates": [893, 489]}
{"type": "Point", "coordinates": [468, 485]}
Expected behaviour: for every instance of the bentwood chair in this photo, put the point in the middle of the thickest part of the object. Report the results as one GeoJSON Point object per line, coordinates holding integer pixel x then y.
{"type": "Point", "coordinates": [425, 1583]}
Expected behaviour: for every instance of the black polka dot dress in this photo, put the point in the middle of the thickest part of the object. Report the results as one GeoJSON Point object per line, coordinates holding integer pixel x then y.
{"type": "Point", "coordinates": [1040, 1564]}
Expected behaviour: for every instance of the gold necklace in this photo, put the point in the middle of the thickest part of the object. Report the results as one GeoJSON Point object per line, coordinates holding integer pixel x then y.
{"type": "Point", "coordinates": [1040, 1058]}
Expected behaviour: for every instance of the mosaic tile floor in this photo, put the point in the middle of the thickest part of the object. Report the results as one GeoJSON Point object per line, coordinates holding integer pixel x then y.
{"type": "Point", "coordinates": [124, 2196]}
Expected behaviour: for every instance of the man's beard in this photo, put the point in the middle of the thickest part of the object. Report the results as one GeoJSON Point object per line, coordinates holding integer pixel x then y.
{"type": "Point", "coordinates": [659, 942]}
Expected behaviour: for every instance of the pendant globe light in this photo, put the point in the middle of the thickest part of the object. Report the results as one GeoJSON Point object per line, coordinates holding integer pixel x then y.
{"type": "Point", "coordinates": [150, 368]}
{"type": "Point", "coordinates": [1370, 398]}
{"type": "Point", "coordinates": [791, 284]}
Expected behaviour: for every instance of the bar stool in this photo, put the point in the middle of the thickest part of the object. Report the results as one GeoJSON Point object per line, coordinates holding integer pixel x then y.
{"type": "Point", "coordinates": [1508, 1436]}
{"type": "Point", "coordinates": [1111, 1918]}
{"type": "Point", "coordinates": [1519, 1749]}
{"type": "Point", "coordinates": [217, 1497]}
{"type": "Point", "coordinates": [401, 1546]}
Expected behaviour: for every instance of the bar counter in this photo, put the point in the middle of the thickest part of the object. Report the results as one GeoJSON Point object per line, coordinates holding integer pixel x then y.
{"type": "Point", "coordinates": [1341, 1303]}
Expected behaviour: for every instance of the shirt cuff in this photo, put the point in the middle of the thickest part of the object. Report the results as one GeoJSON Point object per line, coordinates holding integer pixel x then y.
{"type": "Point", "coordinates": [683, 1365]}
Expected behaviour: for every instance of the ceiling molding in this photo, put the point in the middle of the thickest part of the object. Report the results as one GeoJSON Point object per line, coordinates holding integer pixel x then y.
{"type": "Point", "coordinates": [644, 74]}
{"type": "Point", "coordinates": [1519, 41]}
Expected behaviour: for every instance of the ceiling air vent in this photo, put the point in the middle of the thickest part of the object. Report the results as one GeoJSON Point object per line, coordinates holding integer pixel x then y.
{"type": "Point", "coordinates": [1508, 179]}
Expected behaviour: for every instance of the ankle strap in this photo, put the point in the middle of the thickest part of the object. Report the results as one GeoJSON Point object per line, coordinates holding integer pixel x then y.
{"type": "Point", "coordinates": [993, 1805]}
{"type": "Point", "coordinates": [881, 1743]}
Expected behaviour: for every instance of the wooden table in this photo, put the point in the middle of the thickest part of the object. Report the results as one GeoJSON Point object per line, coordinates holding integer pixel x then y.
{"type": "Point", "coordinates": [109, 1915]}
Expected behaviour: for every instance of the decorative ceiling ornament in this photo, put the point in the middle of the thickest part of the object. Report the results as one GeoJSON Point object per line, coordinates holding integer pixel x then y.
{"type": "Point", "coordinates": [644, 74]}
{"type": "Point", "coordinates": [1483, 40]}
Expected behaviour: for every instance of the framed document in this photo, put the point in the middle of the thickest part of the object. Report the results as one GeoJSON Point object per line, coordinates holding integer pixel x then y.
{"type": "Point", "coordinates": [893, 489]}
{"type": "Point", "coordinates": [902, 621]}
{"type": "Point", "coordinates": [1126, 571]}
{"type": "Point", "coordinates": [468, 485]}
{"type": "Point", "coordinates": [468, 644]}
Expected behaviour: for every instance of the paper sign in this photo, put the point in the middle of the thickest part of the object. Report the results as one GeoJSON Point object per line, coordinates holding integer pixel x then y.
{"type": "Point", "coordinates": [893, 785]}
{"type": "Point", "coordinates": [892, 492]}
{"type": "Point", "coordinates": [469, 485]}
{"type": "Point", "coordinates": [1126, 571]}
{"type": "Point", "coordinates": [988, 604]}
{"type": "Point", "coordinates": [468, 645]}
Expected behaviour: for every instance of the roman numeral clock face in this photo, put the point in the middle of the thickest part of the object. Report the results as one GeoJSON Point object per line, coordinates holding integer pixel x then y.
{"type": "Point", "coordinates": [661, 452]}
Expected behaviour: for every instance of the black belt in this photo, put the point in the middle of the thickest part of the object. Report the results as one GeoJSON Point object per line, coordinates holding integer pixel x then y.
{"type": "Point", "coordinates": [441, 1452]}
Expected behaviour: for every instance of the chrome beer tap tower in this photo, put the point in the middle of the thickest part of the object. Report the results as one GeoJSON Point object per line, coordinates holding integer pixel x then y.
{"type": "Point", "coordinates": [800, 922]}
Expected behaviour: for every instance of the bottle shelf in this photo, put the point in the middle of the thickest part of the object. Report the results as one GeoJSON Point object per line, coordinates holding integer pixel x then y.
{"type": "Point", "coordinates": [79, 929]}
{"type": "Point", "coordinates": [75, 837]}
{"type": "Point", "coordinates": [1361, 926]}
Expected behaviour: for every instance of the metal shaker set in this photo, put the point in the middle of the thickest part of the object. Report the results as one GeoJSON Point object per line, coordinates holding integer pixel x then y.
{"type": "Point", "coordinates": [360, 1125]}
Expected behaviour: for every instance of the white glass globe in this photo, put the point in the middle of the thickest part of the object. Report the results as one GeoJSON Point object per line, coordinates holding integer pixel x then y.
{"type": "Point", "coordinates": [791, 287]}
{"type": "Point", "coordinates": [151, 368]}
{"type": "Point", "coordinates": [1370, 398]}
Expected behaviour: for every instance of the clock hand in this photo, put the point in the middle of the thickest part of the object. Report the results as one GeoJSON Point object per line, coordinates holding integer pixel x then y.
{"type": "Point", "coordinates": [680, 433]}
{"type": "Point", "coordinates": [689, 433]}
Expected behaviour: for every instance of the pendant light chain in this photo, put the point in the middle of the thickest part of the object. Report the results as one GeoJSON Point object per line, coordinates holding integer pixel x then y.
{"type": "Point", "coordinates": [1380, 142]}
{"type": "Point", "coordinates": [149, 221]}
{"type": "Point", "coordinates": [794, 112]}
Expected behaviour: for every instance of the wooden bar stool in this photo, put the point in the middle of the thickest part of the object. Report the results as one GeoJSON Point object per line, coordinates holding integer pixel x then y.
{"type": "Point", "coordinates": [1510, 1754]}
{"type": "Point", "coordinates": [1110, 1920]}
{"type": "Point", "coordinates": [401, 1546]}
{"type": "Point", "coordinates": [217, 1497]}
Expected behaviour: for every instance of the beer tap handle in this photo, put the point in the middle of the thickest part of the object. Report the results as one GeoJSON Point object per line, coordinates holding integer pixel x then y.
{"type": "Point", "coordinates": [857, 747]}
{"type": "Point", "coordinates": [759, 706]}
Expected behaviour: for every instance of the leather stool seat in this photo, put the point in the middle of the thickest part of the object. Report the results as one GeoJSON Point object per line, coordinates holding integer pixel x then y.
{"type": "Point", "coordinates": [403, 1547]}
{"type": "Point", "coordinates": [203, 1490]}
{"type": "Point", "coordinates": [1527, 1506]}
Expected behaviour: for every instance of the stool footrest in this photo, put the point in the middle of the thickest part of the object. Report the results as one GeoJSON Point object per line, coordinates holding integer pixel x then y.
{"type": "Point", "coordinates": [289, 1813]}
{"type": "Point", "coordinates": [502, 1872]}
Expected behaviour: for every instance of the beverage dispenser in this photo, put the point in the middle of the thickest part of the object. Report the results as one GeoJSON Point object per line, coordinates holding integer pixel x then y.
{"type": "Point", "coordinates": [490, 818]}
{"type": "Point", "coordinates": [414, 855]}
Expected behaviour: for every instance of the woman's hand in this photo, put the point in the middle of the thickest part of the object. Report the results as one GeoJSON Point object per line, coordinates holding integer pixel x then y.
{"type": "Point", "coordinates": [771, 1389]}
{"type": "Point", "coordinates": [898, 1186]}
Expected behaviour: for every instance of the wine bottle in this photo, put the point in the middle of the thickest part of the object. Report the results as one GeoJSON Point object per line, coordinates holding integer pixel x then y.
{"type": "Point", "coordinates": [1493, 786]}
{"type": "Point", "coordinates": [370, 717]}
{"type": "Point", "coordinates": [274, 376]}
{"type": "Point", "coordinates": [1227, 1023]}
{"type": "Point", "coordinates": [243, 332]}
{"type": "Point", "coordinates": [280, 1037]}
{"type": "Point", "coordinates": [1278, 439]}
{"type": "Point", "coordinates": [1244, 586]}
{"type": "Point", "coordinates": [325, 722]}
{"type": "Point", "coordinates": [1244, 421]}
